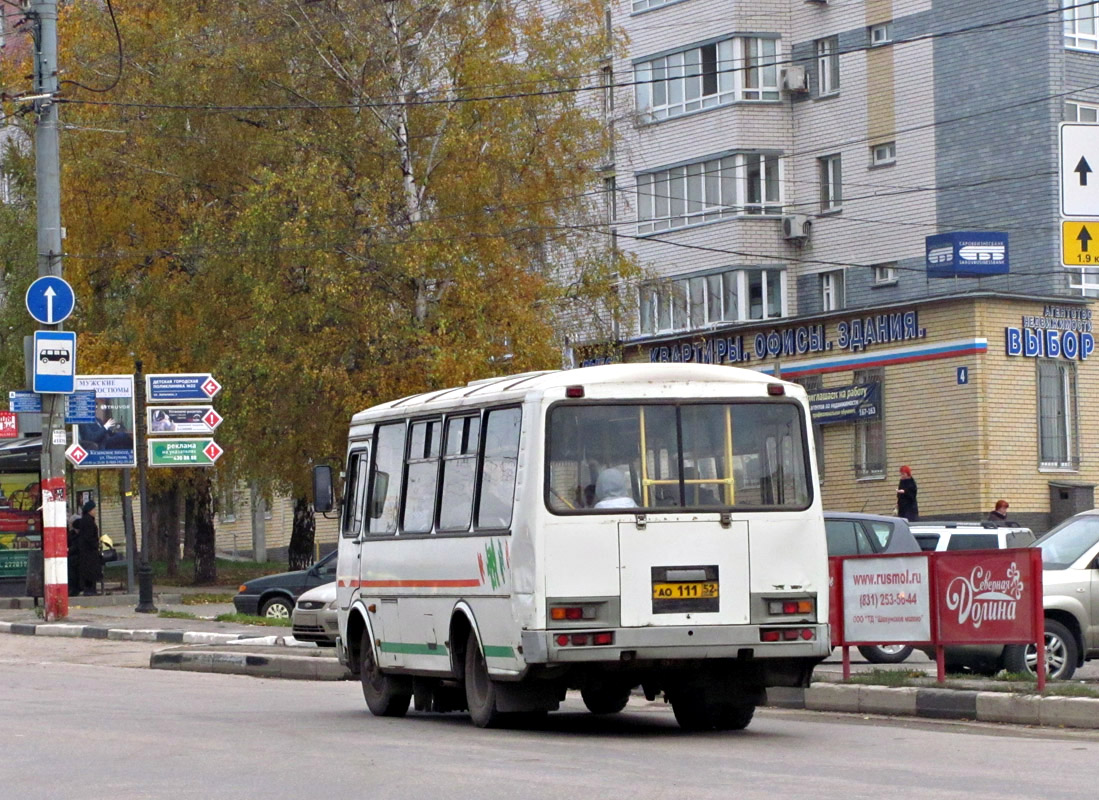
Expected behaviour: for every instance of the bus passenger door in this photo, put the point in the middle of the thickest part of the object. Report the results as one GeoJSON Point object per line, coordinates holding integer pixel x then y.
{"type": "Point", "coordinates": [684, 573]}
{"type": "Point", "coordinates": [351, 527]}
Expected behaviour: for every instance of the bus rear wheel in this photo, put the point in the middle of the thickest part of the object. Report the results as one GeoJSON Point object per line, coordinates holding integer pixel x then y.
{"type": "Point", "coordinates": [480, 688]}
{"type": "Point", "coordinates": [386, 696]}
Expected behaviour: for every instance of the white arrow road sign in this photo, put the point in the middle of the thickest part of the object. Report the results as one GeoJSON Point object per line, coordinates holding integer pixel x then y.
{"type": "Point", "coordinates": [1079, 160]}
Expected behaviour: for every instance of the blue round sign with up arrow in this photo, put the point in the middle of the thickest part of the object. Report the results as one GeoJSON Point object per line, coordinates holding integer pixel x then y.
{"type": "Point", "coordinates": [50, 300]}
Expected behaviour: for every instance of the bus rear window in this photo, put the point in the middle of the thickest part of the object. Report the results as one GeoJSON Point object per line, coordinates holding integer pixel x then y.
{"type": "Point", "coordinates": [749, 455]}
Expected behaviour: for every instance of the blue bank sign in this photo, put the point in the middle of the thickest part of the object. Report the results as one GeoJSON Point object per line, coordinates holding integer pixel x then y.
{"type": "Point", "coordinates": [1061, 332]}
{"type": "Point", "coordinates": [966, 254]}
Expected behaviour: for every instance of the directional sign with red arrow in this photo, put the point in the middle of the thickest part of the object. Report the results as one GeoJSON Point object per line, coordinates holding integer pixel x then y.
{"type": "Point", "coordinates": [76, 454]}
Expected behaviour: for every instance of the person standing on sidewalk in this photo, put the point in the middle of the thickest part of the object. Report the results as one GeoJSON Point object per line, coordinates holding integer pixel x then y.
{"type": "Point", "coordinates": [87, 545]}
{"type": "Point", "coordinates": [907, 506]}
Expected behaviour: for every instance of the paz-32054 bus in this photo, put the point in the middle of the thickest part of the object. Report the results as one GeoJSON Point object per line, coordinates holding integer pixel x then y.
{"type": "Point", "coordinates": [598, 529]}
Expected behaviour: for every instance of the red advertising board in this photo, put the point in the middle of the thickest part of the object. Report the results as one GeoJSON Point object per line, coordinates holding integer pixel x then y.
{"type": "Point", "coordinates": [950, 598]}
{"type": "Point", "coordinates": [989, 596]}
{"type": "Point", "coordinates": [9, 425]}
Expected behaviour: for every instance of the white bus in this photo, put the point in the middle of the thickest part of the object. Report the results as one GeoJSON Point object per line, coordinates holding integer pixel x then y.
{"type": "Point", "coordinates": [597, 529]}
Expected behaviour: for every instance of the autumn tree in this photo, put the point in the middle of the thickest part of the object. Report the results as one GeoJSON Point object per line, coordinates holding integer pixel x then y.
{"type": "Point", "coordinates": [329, 204]}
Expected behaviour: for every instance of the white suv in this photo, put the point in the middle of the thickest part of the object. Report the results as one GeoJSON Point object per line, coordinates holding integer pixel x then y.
{"type": "Point", "coordinates": [939, 536]}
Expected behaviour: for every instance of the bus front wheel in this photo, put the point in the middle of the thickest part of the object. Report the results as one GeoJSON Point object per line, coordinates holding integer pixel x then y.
{"type": "Point", "coordinates": [480, 688]}
{"type": "Point", "coordinates": [386, 696]}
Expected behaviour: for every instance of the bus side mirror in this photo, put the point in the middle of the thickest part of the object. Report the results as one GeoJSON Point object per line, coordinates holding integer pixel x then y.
{"type": "Point", "coordinates": [322, 488]}
{"type": "Point", "coordinates": [377, 501]}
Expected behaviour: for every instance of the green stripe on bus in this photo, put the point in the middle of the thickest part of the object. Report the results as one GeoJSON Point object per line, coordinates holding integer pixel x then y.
{"type": "Point", "coordinates": [412, 649]}
{"type": "Point", "coordinates": [498, 651]}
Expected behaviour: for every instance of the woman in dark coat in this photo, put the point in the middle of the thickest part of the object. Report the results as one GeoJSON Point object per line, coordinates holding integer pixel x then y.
{"type": "Point", "coordinates": [87, 545]}
{"type": "Point", "coordinates": [906, 496]}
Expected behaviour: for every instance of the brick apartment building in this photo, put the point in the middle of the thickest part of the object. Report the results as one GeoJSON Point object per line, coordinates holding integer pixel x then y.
{"type": "Point", "coordinates": [779, 166]}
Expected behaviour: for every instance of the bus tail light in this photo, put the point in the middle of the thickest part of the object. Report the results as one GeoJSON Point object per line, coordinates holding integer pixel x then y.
{"type": "Point", "coordinates": [787, 634]}
{"type": "Point", "coordinates": [603, 638]}
{"type": "Point", "coordinates": [571, 613]}
{"type": "Point", "coordinates": [779, 608]}
{"type": "Point", "coordinates": [574, 391]}
{"type": "Point", "coordinates": [776, 389]}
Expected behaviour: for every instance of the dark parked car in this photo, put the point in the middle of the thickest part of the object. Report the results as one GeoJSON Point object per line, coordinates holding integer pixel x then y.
{"type": "Point", "coordinates": [852, 534]}
{"type": "Point", "coordinates": [275, 595]}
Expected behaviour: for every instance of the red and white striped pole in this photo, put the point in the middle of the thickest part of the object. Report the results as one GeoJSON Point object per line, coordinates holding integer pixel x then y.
{"type": "Point", "coordinates": [55, 548]}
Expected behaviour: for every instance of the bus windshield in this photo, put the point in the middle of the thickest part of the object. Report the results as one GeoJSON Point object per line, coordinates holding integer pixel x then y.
{"type": "Point", "coordinates": [745, 455]}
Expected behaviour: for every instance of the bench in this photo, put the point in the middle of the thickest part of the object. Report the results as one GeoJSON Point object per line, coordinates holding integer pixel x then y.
{"type": "Point", "coordinates": [116, 572]}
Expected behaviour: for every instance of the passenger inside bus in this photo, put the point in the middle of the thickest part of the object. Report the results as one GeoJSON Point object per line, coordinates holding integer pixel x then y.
{"type": "Point", "coordinates": [612, 490]}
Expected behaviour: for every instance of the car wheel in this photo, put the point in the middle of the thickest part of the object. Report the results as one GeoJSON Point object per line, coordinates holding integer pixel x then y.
{"type": "Point", "coordinates": [277, 608]}
{"type": "Point", "coordinates": [1061, 654]}
{"type": "Point", "coordinates": [885, 653]}
{"type": "Point", "coordinates": [386, 696]}
{"type": "Point", "coordinates": [480, 688]}
{"type": "Point", "coordinates": [605, 699]}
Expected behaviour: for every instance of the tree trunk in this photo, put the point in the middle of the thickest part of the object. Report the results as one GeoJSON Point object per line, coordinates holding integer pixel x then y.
{"type": "Point", "coordinates": [205, 565]}
{"type": "Point", "coordinates": [301, 538]}
{"type": "Point", "coordinates": [189, 527]}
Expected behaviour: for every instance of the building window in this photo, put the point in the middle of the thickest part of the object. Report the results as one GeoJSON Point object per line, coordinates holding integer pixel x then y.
{"type": "Point", "coordinates": [831, 191]}
{"type": "Point", "coordinates": [1086, 281]}
{"type": "Point", "coordinates": [831, 290]}
{"type": "Point", "coordinates": [1081, 112]}
{"type": "Point", "coordinates": [1057, 437]}
{"type": "Point", "coordinates": [881, 34]}
{"type": "Point", "coordinates": [610, 199]}
{"type": "Point", "coordinates": [885, 273]}
{"type": "Point", "coordinates": [870, 434]}
{"type": "Point", "coordinates": [1081, 24]}
{"type": "Point", "coordinates": [645, 5]}
{"type": "Point", "coordinates": [698, 301]}
{"type": "Point", "coordinates": [883, 154]}
{"type": "Point", "coordinates": [828, 66]}
{"type": "Point", "coordinates": [744, 68]}
{"type": "Point", "coordinates": [706, 191]}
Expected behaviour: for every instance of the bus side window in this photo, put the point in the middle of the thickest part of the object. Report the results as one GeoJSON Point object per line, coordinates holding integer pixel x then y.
{"type": "Point", "coordinates": [388, 464]}
{"type": "Point", "coordinates": [355, 501]}
{"type": "Point", "coordinates": [423, 475]}
{"type": "Point", "coordinates": [498, 467]}
{"type": "Point", "coordinates": [459, 473]}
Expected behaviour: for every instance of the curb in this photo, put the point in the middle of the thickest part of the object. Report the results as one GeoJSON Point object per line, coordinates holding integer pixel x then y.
{"type": "Point", "coordinates": [1015, 709]}
{"type": "Point", "coordinates": [120, 634]}
{"type": "Point", "coordinates": [308, 668]}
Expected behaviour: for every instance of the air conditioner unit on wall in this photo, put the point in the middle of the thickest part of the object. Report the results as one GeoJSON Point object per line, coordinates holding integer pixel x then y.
{"type": "Point", "coordinates": [795, 79]}
{"type": "Point", "coordinates": [796, 227]}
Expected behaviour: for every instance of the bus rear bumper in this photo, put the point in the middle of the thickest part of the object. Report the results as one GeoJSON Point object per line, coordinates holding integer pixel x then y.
{"type": "Point", "coordinates": [678, 643]}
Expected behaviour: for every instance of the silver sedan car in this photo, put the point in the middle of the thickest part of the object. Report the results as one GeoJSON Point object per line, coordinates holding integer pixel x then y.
{"type": "Point", "coordinates": [314, 616]}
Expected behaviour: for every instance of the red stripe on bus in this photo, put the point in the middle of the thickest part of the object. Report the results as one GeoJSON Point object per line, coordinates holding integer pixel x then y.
{"type": "Point", "coordinates": [399, 584]}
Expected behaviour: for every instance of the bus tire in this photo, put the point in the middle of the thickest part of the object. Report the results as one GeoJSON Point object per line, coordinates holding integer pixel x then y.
{"type": "Point", "coordinates": [386, 696]}
{"type": "Point", "coordinates": [480, 688]}
{"type": "Point", "coordinates": [605, 699]}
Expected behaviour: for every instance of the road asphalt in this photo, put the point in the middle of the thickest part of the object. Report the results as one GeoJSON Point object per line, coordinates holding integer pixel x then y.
{"type": "Point", "coordinates": [200, 643]}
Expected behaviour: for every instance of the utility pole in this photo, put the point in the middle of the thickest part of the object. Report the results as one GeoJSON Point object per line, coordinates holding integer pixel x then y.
{"type": "Point", "coordinates": [43, 15]}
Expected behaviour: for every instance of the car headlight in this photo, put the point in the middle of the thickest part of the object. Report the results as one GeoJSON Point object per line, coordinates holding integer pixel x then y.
{"type": "Point", "coordinates": [334, 605]}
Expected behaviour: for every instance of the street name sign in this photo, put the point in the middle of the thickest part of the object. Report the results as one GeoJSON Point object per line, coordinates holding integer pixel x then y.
{"type": "Point", "coordinates": [175, 420]}
{"type": "Point", "coordinates": [50, 300]}
{"type": "Point", "coordinates": [1079, 159]}
{"type": "Point", "coordinates": [174, 387]}
{"type": "Point", "coordinates": [184, 452]}
{"type": "Point", "coordinates": [54, 362]}
{"type": "Point", "coordinates": [25, 402]}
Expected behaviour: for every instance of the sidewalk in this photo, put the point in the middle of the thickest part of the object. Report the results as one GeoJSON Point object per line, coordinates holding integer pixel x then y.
{"type": "Point", "coordinates": [223, 647]}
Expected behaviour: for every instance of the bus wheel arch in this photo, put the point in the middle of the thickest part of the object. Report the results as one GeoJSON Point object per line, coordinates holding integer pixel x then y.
{"type": "Point", "coordinates": [461, 625]}
{"type": "Point", "coordinates": [356, 623]}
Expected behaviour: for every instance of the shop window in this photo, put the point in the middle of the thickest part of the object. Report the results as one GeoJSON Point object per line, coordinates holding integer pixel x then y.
{"type": "Point", "coordinates": [1057, 422]}
{"type": "Point", "coordinates": [870, 434]}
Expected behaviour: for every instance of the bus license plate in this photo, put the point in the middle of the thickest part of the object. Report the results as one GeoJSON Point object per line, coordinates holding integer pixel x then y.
{"type": "Point", "coordinates": [694, 590]}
